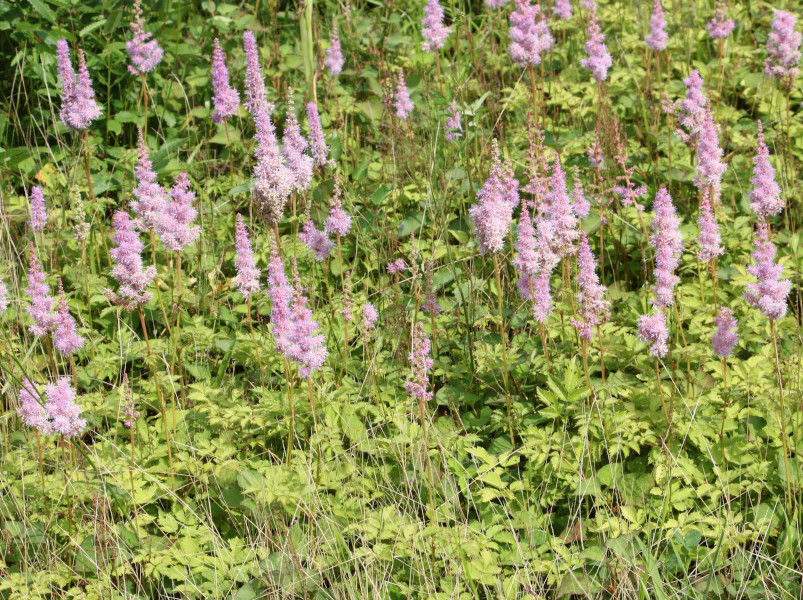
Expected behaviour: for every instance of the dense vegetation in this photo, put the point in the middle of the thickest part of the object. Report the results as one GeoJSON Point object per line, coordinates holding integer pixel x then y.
{"type": "Point", "coordinates": [571, 383]}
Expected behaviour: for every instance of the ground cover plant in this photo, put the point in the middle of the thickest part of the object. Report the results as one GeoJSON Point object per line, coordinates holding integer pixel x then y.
{"type": "Point", "coordinates": [400, 299]}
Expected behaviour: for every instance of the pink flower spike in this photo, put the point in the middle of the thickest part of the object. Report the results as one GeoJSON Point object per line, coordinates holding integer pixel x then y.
{"type": "Point", "coordinates": [38, 209]}
{"type": "Point", "coordinates": [150, 198]}
{"type": "Point", "coordinates": [3, 297]}
{"type": "Point", "coordinates": [316, 240]}
{"type": "Point", "coordinates": [65, 339]}
{"type": "Point", "coordinates": [454, 129]}
{"type": "Point", "coordinates": [599, 59]}
{"type": "Point", "coordinates": [434, 31]}
{"type": "Point", "coordinates": [558, 211]}
{"type": "Point", "coordinates": [765, 197]}
{"type": "Point", "coordinates": [369, 316]}
{"type": "Point", "coordinates": [563, 9]}
{"type": "Point", "coordinates": [495, 203]}
{"type": "Point", "coordinates": [397, 267]}
{"type": "Point", "coordinates": [128, 269]}
{"type": "Point", "coordinates": [496, 3]}
{"type": "Point", "coordinates": [317, 138]}
{"type": "Point", "coordinates": [657, 38]}
{"type": "Point", "coordinates": [226, 98]}
{"type": "Point", "coordinates": [247, 279]}
{"type": "Point", "coordinates": [783, 47]}
{"type": "Point", "coordinates": [78, 105]}
{"type": "Point", "coordinates": [63, 411]}
{"type": "Point", "coordinates": [338, 222]}
{"type": "Point", "coordinates": [725, 338]}
{"type": "Point", "coordinates": [529, 34]}
{"type": "Point", "coordinates": [580, 205]}
{"type": "Point", "coordinates": [403, 104]}
{"type": "Point", "coordinates": [334, 55]}
{"type": "Point", "coordinates": [299, 164]}
{"type": "Point", "coordinates": [770, 292]}
{"type": "Point", "coordinates": [144, 52]}
{"type": "Point", "coordinates": [709, 239]}
{"type": "Point", "coordinates": [175, 227]}
{"type": "Point", "coordinates": [592, 306]}
{"type": "Point", "coordinates": [720, 26]}
{"type": "Point", "coordinates": [31, 410]}
{"type": "Point", "coordinates": [691, 111]}
{"type": "Point", "coordinates": [668, 243]}
{"type": "Point", "coordinates": [42, 303]}
{"type": "Point", "coordinates": [421, 362]}
{"type": "Point", "coordinates": [710, 167]}
{"type": "Point", "coordinates": [653, 330]}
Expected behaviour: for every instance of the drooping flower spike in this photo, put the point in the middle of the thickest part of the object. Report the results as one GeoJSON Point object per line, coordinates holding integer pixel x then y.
{"type": "Point", "coordinates": [247, 279]}
{"type": "Point", "coordinates": [150, 198]}
{"type": "Point", "coordinates": [434, 31]}
{"type": "Point", "coordinates": [599, 59]}
{"type": "Point", "coordinates": [65, 338]}
{"type": "Point", "coordinates": [78, 105]}
{"type": "Point", "coordinates": [60, 413]}
{"type": "Point", "coordinates": [145, 53]}
{"type": "Point", "coordinates": [709, 240]}
{"type": "Point", "coordinates": [175, 225]}
{"type": "Point", "coordinates": [316, 240]}
{"type": "Point", "coordinates": [334, 55]}
{"type": "Point", "coordinates": [691, 111]}
{"type": "Point", "coordinates": [38, 209]}
{"type": "Point", "coordinates": [339, 221]}
{"type": "Point", "coordinates": [654, 330]}
{"type": "Point", "coordinates": [317, 138]}
{"type": "Point", "coordinates": [226, 98]}
{"type": "Point", "coordinates": [42, 303]}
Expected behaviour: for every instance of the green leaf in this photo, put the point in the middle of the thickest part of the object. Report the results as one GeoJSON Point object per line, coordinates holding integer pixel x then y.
{"type": "Point", "coordinates": [43, 10]}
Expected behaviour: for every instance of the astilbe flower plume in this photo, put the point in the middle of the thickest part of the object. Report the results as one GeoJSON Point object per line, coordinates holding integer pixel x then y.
{"type": "Point", "coordinates": [293, 326]}
{"type": "Point", "coordinates": [175, 222]}
{"type": "Point", "coordinates": [150, 197]}
{"type": "Point", "coordinates": [78, 105]}
{"type": "Point", "coordinates": [580, 205]}
{"type": "Point", "coordinates": [710, 167]}
{"type": "Point", "coordinates": [709, 240]}
{"type": "Point", "coordinates": [397, 267]}
{"type": "Point", "coordinates": [316, 240]}
{"type": "Point", "coordinates": [629, 194]}
{"type": "Point", "coordinates": [691, 111]}
{"type": "Point", "coordinates": [128, 270]}
{"type": "Point", "coordinates": [668, 243]}
{"type": "Point", "coordinates": [272, 180]}
{"type": "Point", "coordinates": [38, 209]}
{"type": "Point", "coordinates": [765, 197]}
{"type": "Point", "coordinates": [454, 129]}
{"type": "Point", "coordinates": [720, 26]}
{"type": "Point", "coordinates": [599, 59]}
{"type": "Point", "coordinates": [31, 410]}
{"type": "Point", "coordinates": [496, 200]}
{"type": "Point", "coordinates": [656, 39]}
{"type": "Point", "coordinates": [558, 210]}
{"type": "Point", "coordinates": [770, 292]}
{"type": "Point", "coordinates": [592, 307]}
{"type": "Point", "coordinates": [563, 9]}
{"type": "Point", "coordinates": [402, 103]}
{"type": "Point", "coordinates": [783, 47]}
{"type": "Point", "coordinates": [339, 221]}
{"type": "Point", "coordinates": [65, 338]}
{"type": "Point", "coordinates": [64, 413]}
{"type": "Point", "coordinates": [3, 297]}
{"type": "Point", "coordinates": [369, 317]}
{"type": "Point", "coordinates": [42, 303]}
{"type": "Point", "coordinates": [590, 6]}
{"type": "Point", "coordinates": [526, 261]}
{"type": "Point", "coordinates": [299, 164]}
{"type": "Point", "coordinates": [725, 338]}
{"type": "Point", "coordinates": [420, 360]}
{"type": "Point", "coordinates": [130, 411]}
{"type": "Point", "coordinates": [334, 55]}
{"type": "Point", "coordinates": [247, 278]}
{"type": "Point", "coordinates": [434, 31]}
{"type": "Point", "coordinates": [529, 34]}
{"type": "Point", "coordinates": [317, 138]}
{"type": "Point", "coordinates": [145, 53]}
{"type": "Point", "coordinates": [654, 330]}
{"type": "Point", "coordinates": [226, 98]}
